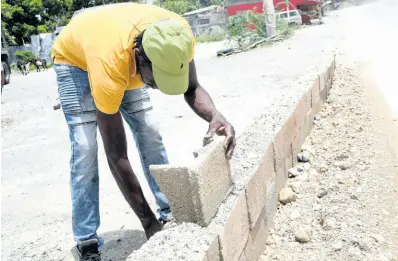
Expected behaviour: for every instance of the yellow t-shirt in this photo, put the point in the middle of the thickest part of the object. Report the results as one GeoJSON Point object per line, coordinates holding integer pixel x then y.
{"type": "Point", "coordinates": [101, 41]}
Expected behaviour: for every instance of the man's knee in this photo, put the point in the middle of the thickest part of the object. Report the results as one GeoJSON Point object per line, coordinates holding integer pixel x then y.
{"type": "Point", "coordinates": [148, 135]}
{"type": "Point", "coordinates": [84, 148]}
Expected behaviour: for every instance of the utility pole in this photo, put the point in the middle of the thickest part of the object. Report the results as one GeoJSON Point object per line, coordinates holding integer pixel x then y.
{"type": "Point", "coordinates": [287, 9]}
{"type": "Point", "coordinates": [270, 23]}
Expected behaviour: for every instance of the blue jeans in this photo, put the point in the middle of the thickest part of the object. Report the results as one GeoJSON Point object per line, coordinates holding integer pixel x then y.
{"type": "Point", "coordinates": [80, 114]}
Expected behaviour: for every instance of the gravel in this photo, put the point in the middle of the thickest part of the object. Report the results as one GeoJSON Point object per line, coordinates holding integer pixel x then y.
{"type": "Point", "coordinates": [183, 242]}
{"type": "Point", "coordinates": [346, 209]}
{"type": "Point", "coordinates": [301, 236]}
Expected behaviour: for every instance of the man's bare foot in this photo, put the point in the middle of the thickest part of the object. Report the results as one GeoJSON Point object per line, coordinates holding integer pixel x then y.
{"type": "Point", "coordinates": [153, 228]}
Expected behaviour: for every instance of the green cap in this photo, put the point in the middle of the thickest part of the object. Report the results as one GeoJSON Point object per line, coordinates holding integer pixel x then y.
{"type": "Point", "coordinates": [168, 44]}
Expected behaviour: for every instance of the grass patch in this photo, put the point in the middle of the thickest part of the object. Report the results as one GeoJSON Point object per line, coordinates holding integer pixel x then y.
{"type": "Point", "coordinates": [208, 39]}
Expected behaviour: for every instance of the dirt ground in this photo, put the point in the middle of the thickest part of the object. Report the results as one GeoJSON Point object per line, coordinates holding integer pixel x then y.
{"type": "Point", "coordinates": [35, 150]}
{"type": "Point", "coordinates": [347, 193]}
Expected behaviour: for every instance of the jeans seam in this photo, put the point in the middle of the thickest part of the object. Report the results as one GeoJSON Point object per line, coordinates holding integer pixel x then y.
{"type": "Point", "coordinates": [80, 123]}
{"type": "Point", "coordinates": [74, 79]}
{"type": "Point", "coordinates": [77, 89]}
{"type": "Point", "coordinates": [73, 148]}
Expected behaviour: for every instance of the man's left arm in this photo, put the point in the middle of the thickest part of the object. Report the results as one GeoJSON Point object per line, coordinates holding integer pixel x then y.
{"type": "Point", "coordinates": [202, 104]}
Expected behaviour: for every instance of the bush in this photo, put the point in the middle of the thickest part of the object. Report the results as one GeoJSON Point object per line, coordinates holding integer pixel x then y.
{"type": "Point", "coordinates": [249, 23]}
{"type": "Point", "coordinates": [246, 23]}
{"type": "Point", "coordinates": [25, 56]}
{"type": "Point", "coordinates": [284, 28]}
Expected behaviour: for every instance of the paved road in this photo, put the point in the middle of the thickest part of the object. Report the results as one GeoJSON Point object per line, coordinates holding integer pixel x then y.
{"type": "Point", "coordinates": [35, 150]}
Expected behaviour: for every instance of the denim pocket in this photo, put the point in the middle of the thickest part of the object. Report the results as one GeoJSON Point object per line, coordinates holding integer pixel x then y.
{"type": "Point", "coordinates": [67, 89]}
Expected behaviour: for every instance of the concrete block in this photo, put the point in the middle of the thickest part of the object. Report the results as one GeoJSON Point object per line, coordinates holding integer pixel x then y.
{"type": "Point", "coordinates": [256, 189]}
{"type": "Point", "coordinates": [327, 73]}
{"type": "Point", "coordinates": [324, 91]}
{"type": "Point", "coordinates": [333, 69]}
{"type": "Point", "coordinates": [269, 164]}
{"type": "Point", "coordinates": [302, 107]}
{"type": "Point", "coordinates": [175, 182]}
{"type": "Point", "coordinates": [242, 257]}
{"type": "Point", "coordinates": [317, 105]}
{"type": "Point", "coordinates": [212, 173]}
{"type": "Point", "coordinates": [306, 125]}
{"type": "Point", "coordinates": [257, 240]}
{"type": "Point", "coordinates": [316, 88]}
{"type": "Point", "coordinates": [328, 87]}
{"type": "Point", "coordinates": [283, 150]}
{"type": "Point", "coordinates": [282, 166]}
{"type": "Point", "coordinates": [301, 115]}
{"type": "Point", "coordinates": [296, 146]}
{"type": "Point", "coordinates": [283, 139]}
{"type": "Point", "coordinates": [321, 85]}
{"type": "Point", "coordinates": [328, 78]}
{"type": "Point", "coordinates": [235, 232]}
{"type": "Point", "coordinates": [195, 192]}
{"type": "Point", "coordinates": [213, 254]}
{"type": "Point", "coordinates": [270, 205]}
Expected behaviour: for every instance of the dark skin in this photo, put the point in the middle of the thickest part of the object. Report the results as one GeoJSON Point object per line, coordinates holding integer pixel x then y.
{"type": "Point", "coordinates": [115, 144]}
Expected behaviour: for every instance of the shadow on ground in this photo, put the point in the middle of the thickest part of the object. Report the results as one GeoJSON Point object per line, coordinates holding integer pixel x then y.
{"type": "Point", "coordinates": [120, 244]}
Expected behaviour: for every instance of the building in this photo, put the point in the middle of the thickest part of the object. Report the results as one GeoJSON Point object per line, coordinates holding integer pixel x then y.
{"type": "Point", "coordinates": [204, 19]}
{"type": "Point", "coordinates": [257, 6]}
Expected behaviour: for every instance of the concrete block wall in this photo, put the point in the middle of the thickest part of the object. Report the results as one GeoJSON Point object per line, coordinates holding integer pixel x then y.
{"type": "Point", "coordinates": [238, 228]}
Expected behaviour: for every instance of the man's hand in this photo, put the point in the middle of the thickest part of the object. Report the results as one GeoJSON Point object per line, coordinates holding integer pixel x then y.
{"type": "Point", "coordinates": [220, 126]}
{"type": "Point", "coordinates": [201, 103]}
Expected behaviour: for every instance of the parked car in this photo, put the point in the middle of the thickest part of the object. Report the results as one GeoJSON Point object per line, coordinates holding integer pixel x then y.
{"type": "Point", "coordinates": [5, 61]}
{"type": "Point", "coordinates": [292, 17]}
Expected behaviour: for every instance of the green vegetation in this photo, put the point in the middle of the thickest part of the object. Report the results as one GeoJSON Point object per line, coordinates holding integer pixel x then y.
{"type": "Point", "coordinates": [284, 29]}
{"type": "Point", "coordinates": [212, 38]}
{"type": "Point", "coordinates": [183, 6]}
{"type": "Point", "coordinates": [25, 56]}
{"type": "Point", "coordinates": [251, 23]}
{"type": "Point", "coordinates": [22, 18]}
{"type": "Point", "coordinates": [246, 23]}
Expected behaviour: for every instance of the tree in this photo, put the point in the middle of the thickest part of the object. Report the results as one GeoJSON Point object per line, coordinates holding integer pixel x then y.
{"type": "Point", "coordinates": [176, 6]}
{"type": "Point", "coordinates": [180, 6]}
{"type": "Point", "coordinates": [218, 2]}
{"type": "Point", "coordinates": [23, 18]}
{"type": "Point", "coordinates": [80, 4]}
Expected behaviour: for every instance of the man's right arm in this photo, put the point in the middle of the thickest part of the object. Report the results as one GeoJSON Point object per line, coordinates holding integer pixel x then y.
{"type": "Point", "coordinates": [115, 144]}
{"type": "Point", "coordinates": [107, 89]}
